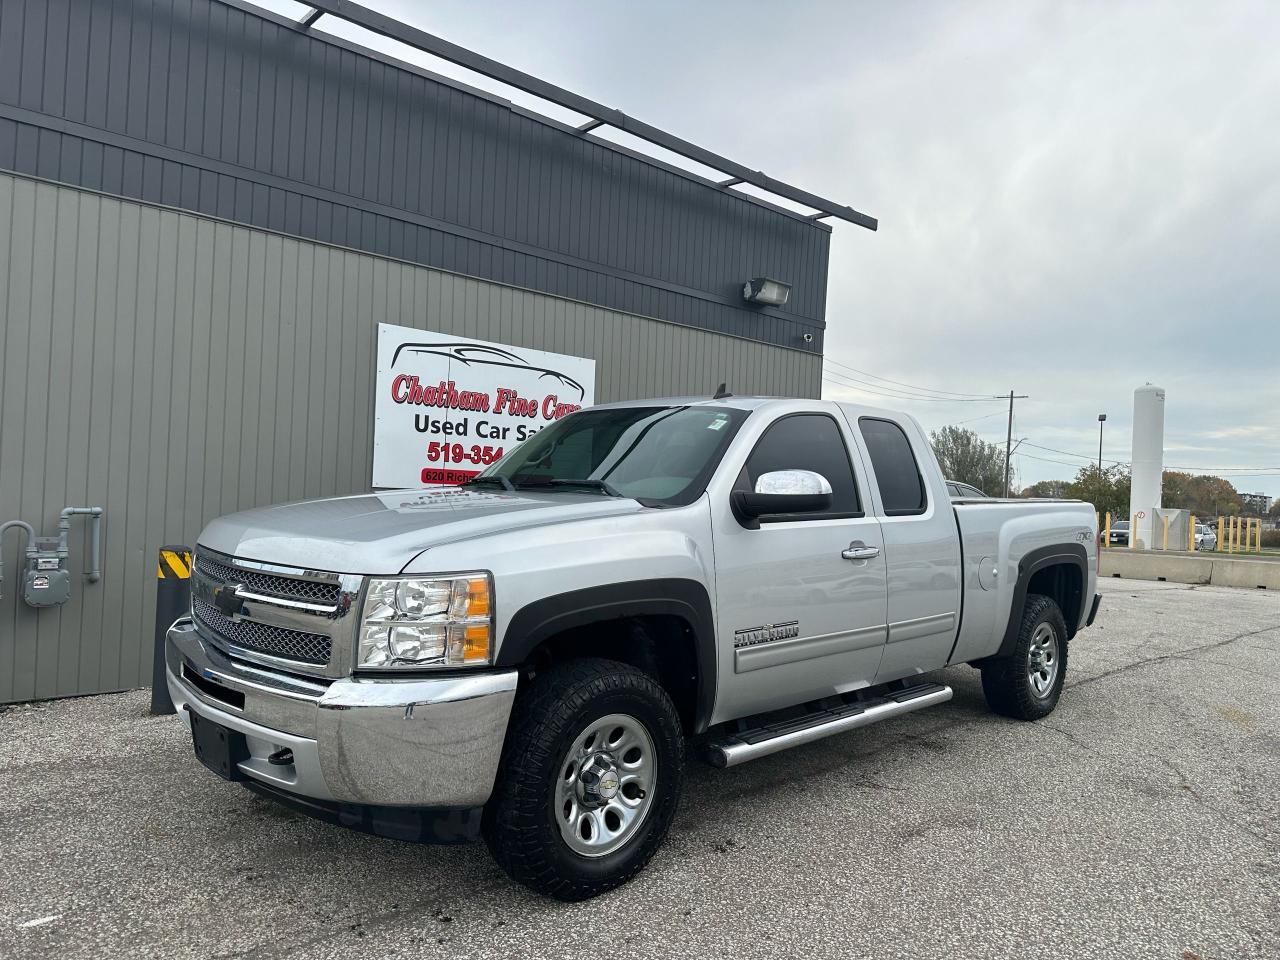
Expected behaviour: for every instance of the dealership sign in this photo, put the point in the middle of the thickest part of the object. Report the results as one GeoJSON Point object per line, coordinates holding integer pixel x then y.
{"type": "Point", "coordinates": [447, 407]}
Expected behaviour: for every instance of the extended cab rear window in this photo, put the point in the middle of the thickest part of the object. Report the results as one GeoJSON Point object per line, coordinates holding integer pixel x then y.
{"type": "Point", "coordinates": [897, 473]}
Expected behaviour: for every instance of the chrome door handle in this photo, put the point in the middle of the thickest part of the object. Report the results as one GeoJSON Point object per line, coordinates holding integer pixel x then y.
{"type": "Point", "coordinates": [860, 551]}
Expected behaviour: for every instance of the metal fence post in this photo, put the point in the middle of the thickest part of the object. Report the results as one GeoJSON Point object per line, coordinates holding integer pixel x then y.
{"type": "Point", "coordinates": [173, 600]}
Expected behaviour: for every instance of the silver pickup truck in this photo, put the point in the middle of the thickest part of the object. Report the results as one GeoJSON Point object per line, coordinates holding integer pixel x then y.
{"type": "Point", "coordinates": [527, 656]}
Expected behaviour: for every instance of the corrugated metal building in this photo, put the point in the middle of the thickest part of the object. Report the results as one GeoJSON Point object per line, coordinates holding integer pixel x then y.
{"type": "Point", "coordinates": [205, 210]}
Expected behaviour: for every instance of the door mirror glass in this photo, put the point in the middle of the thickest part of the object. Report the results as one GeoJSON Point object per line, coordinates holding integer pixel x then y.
{"type": "Point", "coordinates": [783, 492]}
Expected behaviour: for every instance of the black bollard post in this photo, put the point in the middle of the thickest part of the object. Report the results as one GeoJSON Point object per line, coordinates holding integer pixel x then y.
{"type": "Point", "coordinates": [173, 600]}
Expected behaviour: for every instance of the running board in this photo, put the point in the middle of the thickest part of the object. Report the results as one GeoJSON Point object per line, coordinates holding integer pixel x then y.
{"type": "Point", "coordinates": [747, 745]}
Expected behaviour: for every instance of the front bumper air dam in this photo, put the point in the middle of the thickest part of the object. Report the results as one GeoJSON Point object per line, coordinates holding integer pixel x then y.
{"type": "Point", "coordinates": [356, 742]}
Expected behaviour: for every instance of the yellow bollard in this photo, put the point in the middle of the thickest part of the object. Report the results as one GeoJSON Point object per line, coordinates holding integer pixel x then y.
{"type": "Point", "coordinates": [1106, 534]}
{"type": "Point", "coordinates": [1133, 531]}
{"type": "Point", "coordinates": [1191, 535]}
{"type": "Point", "coordinates": [1165, 542]}
{"type": "Point", "coordinates": [1221, 544]}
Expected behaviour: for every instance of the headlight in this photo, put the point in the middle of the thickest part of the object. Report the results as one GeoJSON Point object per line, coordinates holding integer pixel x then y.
{"type": "Point", "coordinates": [412, 622]}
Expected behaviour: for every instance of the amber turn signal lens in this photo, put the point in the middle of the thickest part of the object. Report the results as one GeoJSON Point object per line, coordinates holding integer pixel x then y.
{"type": "Point", "coordinates": [478, 598]}
{"type": "Point", "coordinates": [476, 643]}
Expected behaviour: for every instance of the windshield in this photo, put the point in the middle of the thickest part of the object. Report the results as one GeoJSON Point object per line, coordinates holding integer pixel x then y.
{"type": "Point", "coordinates": [1122, 525]}
{"type": "Point", "coordinates": [658, 455]}
{"type": "Point", "coordinates": [1201, 528]}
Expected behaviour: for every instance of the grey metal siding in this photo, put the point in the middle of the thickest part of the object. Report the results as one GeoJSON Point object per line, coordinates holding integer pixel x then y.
{"type": "Point", "coordinates": [207, 106]}
{"type": "Point", "coordinates": [172, 368]}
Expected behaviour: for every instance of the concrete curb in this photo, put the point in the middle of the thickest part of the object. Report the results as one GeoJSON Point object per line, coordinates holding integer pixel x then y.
{"type": "Point", "coordinates": [1187, 568]}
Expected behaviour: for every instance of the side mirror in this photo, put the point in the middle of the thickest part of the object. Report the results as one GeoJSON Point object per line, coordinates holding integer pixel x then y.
{"type": "Point", "coordinates": [782, 491]}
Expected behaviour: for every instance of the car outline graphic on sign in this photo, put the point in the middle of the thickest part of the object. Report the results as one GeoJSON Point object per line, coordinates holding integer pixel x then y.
{"type": "Point", "coordinates": [495, 357]}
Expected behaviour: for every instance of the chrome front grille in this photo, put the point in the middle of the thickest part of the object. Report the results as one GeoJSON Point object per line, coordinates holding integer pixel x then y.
{"type": "Point", "coordinates": [270, 584]}
{"type": "Point", "coordinates": [263, 638]}
{"type": "Point", "coordinates": [298, 619]}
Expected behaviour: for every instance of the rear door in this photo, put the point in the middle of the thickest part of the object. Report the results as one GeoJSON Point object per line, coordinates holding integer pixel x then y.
{"type": "Point", "coordinates": [797, 620]}
{"type": "Point", "coordinates": [921, 548]}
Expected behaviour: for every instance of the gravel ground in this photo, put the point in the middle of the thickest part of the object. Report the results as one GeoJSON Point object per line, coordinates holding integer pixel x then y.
{"type": "Point", "coordinates": [1142, 819]}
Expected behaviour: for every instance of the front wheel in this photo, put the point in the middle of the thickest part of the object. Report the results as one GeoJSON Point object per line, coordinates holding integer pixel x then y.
{"type": "Point", "coordinates": [1026, 684]}
{"type": "Point", "coordinates": [589, 781]}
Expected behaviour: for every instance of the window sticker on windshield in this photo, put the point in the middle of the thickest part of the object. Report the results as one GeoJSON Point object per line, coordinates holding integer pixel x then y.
{"type": "Point", "coordinates": [717, 423]}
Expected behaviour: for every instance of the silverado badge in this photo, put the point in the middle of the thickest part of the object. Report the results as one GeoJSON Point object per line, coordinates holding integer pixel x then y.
{"type": "Point", "coordinates": [750, 636]}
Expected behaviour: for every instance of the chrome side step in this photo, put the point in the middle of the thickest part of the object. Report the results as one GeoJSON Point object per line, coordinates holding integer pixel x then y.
{"type": "Point", "coordinates": [736, 748]}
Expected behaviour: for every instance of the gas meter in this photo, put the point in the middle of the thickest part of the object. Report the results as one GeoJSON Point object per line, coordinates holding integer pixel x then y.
{"type": "Point", "coordinates": [45, 583]}
{"type": "Point", "coordinates": [45, 579]}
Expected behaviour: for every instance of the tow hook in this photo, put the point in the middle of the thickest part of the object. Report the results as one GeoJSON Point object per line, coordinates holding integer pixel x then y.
{"type": "Point", "coordinates": [281, 758]}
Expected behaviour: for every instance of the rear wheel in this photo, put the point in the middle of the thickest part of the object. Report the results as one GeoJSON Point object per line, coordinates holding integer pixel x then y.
{"type": "Point", "coordinates": [1026, 684]}
{"type": "Point", "coordinates": [589, 781]}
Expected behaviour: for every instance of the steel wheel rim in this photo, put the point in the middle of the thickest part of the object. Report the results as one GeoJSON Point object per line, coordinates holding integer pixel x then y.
{"type": "Point", "coordinates": [1043, 660]}
{"type": "Point", "coordinates": [597, 816]}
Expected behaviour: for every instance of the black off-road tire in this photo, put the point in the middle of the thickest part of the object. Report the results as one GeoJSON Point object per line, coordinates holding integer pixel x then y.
{"type": "Point", "coordinates": [520, 824]}
{"type": "Point", "coordinates": [1006, 681]}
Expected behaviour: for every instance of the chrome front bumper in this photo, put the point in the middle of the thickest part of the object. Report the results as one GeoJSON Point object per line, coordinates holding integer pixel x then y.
{"type": "Point", "coordinates": [432, 742]}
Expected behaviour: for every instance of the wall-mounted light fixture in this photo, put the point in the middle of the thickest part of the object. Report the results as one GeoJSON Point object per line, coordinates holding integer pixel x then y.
{"type": "Point", "coordinates": [773, 293]}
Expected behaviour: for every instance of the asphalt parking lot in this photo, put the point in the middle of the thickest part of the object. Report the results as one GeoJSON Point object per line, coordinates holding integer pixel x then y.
{"type": "Point", "coordinates": [1142, 819]}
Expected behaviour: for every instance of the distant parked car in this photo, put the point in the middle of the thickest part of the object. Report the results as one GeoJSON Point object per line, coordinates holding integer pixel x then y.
{"type": "Point", "coordinates": [962, 491]}
{"type": "Point", "coordinates": [1120, 533]}
{"type": "Point", "coordinates": [1206, 537]}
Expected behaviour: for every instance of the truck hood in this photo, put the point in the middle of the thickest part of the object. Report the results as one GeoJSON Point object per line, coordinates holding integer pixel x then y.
{"type": "Point", "coordinates": [382, 532]}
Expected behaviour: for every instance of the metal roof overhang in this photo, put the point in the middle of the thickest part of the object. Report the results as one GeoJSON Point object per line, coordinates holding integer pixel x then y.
{"type": "Point", "coordinates": [600, 115]}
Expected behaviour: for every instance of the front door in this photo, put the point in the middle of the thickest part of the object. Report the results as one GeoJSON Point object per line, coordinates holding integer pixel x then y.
{"type": "Point", "coordinates": [801, 601]}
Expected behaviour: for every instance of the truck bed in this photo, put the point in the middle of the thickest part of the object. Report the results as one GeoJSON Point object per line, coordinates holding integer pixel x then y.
{"type": "Point", "coordinates": [996, 536]}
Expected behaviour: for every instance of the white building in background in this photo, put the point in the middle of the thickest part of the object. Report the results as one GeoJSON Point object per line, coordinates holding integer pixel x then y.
{"type": "Point", "coordinates": [1258, 503]}
{"type": "Point", "coordinates": [1148, 462]}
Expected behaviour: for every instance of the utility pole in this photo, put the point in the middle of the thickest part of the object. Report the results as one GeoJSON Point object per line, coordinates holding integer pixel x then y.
{"type": "Point", "coordinates": [1008, 442]}
{"type": "Point", "coordinates": [1102, 418]}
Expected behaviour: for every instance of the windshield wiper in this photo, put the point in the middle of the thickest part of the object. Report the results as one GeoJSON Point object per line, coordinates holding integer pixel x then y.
{"type": "Point", "coordinates": [594, 484]}
{"type": "Point", "coordinates": [497, 478]}
{"type": "Point", "coordinates": [555, 482]}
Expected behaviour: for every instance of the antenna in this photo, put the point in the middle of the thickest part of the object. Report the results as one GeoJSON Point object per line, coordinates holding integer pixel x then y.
{"type": "Point", "coordinates": [721, 392]}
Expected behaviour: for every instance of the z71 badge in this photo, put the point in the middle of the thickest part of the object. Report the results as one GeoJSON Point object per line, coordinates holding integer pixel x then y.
{"type": "Point", "coordinates": [770, 631]}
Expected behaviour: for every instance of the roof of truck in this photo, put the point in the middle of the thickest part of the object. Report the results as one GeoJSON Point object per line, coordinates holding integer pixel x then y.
{"type": "Point", "coordinates": [749, 403]}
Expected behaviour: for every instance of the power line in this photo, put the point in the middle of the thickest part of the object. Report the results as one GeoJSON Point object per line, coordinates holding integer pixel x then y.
{"type": "Point", "coordinates": [890, 391]}
{"type": "Point", "coordinates": [1245, 470]}
{"type": "Point", "coordinates": [1068, 453]}
{"type": "Point", "coordinates": [867, 387]}
{"type": "Point", "coordinates": [1029, 456]}
{"type": "Point", "coordinates": [900, 383]}
{"type": "Point", "coordinates": [985, 416]}
{"type": "Point", "coordinates": [830, 378]}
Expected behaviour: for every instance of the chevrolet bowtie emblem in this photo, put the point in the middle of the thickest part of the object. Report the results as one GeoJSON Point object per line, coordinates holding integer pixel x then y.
{"type": "Point", "coordinates": [227, 601]}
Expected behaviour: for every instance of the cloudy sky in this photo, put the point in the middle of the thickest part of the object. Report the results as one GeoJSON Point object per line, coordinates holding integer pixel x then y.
{"type": "Point", "coordinates": [1074, 199]}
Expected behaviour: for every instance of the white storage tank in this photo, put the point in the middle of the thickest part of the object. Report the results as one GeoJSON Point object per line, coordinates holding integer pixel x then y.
{"type": "Point", "coordinates": [1148, 463]}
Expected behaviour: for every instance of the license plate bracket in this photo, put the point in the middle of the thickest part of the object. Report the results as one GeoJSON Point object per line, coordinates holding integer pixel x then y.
{"type": "Point", "coordinates": [218, 748]}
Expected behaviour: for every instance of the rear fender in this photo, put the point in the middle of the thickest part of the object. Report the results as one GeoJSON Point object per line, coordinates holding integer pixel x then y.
{"type": "Point", "coordinates": [1069, 554]}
